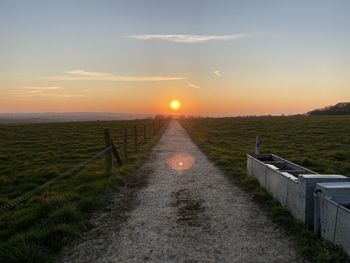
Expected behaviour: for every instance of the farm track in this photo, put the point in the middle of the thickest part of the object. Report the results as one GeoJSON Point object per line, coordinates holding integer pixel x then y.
{"type": "Point", "coordinates": [173, 211]}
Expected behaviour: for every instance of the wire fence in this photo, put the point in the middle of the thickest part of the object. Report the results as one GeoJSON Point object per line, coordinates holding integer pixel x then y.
{"type": "Point", "coordinates": [139, 134]}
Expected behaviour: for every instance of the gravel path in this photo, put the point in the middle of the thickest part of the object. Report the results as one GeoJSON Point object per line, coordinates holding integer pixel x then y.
{"type": "Point", "coordinates": [181, 208]}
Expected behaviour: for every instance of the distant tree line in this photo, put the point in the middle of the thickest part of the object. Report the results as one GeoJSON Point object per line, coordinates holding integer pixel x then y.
{"type": "Point", "coordinates": [342, 108]}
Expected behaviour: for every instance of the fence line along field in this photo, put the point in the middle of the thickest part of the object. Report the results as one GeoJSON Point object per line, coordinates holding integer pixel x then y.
{"type": "Point", "coordinates": [320, 143]}
{"type": "Point", "coordinates": [32, 154]}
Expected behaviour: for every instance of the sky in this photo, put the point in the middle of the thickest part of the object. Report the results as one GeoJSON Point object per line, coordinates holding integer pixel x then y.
{"type": "Point", "coordinates": [218, 58]}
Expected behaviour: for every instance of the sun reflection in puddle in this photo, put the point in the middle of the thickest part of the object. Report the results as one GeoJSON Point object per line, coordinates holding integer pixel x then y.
{"type": "Point", "coordinates": [180, 161]}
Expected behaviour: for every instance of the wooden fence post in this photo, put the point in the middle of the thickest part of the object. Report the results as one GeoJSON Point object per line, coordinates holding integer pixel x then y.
{"type": "Point", "coordinates": [109, 160]}
{"type": "Point", "coordinates": [144, 133]}
{"type": "Point", "coordinates": [135, 134]}
{"type": "Point", "coordinates": [116, 154]}
{"type": "Point", "coordinates": [125, 144]}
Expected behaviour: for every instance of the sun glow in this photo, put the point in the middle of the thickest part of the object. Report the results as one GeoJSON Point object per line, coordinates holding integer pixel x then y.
{"type": "Point", "coordinates": [174, 104]}
{"type": "Point", "coordinates": [180, 161]}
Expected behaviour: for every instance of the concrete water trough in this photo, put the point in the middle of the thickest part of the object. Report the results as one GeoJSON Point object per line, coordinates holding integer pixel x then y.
{"type": "Point", "coordinates": [332, 213]}
{"type": "Point", "coordinates": [289, 183]}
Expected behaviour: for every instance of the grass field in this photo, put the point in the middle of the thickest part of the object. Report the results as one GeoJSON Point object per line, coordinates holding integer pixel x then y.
{"type": "Point", "coordinates": [319, 143]}
{"type": "Point", "coordinates": [30, 154]}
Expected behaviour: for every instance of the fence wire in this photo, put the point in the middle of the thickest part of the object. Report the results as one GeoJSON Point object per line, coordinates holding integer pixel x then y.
{"type": "Point", "coordinates": [11, 204]}
{"type": "Point", "coordinates": [154, 128]}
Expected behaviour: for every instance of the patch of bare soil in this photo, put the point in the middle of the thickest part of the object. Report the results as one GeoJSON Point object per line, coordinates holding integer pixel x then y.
{"type": "Point", "coordinates": [189, 208]}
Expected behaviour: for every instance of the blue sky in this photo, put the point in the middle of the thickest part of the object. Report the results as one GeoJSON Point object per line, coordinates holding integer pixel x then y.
{"type": "Point", "coordinates": [274, 51]}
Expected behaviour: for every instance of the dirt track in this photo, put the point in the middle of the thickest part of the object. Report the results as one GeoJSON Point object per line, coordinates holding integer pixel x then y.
{"type": "Point", "coordinates": [181, 208]}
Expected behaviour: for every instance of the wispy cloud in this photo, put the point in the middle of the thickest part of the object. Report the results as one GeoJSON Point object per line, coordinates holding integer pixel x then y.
{"type": "Point", "coordinates": [188, 39]}
{"type": "Point", "coordinates": [87, 73]}
{"type": "Point", "coordinates": [193, 86]}
{"type": "Point", "coordinates": [79, 74]}
{"type": "Point", "coordinates": [39, 88]}
{"type": "Point", "coordinates": [33, 90]}
{"type": "Point", "coordinates": [217, 73]}
{"type": "Point", "coordinates": [39, 91]}
{"type": "Point", "coordinates": [72, 95]}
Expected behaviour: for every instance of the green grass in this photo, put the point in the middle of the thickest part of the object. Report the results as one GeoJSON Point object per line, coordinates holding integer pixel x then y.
{"type": "Point", "coordinates": [319, 143]}
{"type": "Point", "coordinates": [30, 154]}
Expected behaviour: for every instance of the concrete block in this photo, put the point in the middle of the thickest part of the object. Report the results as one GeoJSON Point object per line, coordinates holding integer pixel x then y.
{"type": "Point", "coordinates": [259, 170]}
{"type": "Point", "coordinates": [342, 235]}
{"type": "Point", "coordinates": [322, 200]}
{"type": "Point", "coordinates": [277, 185]}
{"type": "Point", "coordinates": [331, 192]}
{"type": "Point", "coordinates": [332, 221]}
{"type": "Point", "coordinates": [337, 190]}
{"type": "Point", "coordinates": [328, 218]}
{"type": "Point", "coordinates": [307, 184]}
{"type": "Point", "coordinates": [289, 183]}
{"type": "Point", "coordinates": [293, 198]}
{"type": "Point", "coordinates": [249, 165]}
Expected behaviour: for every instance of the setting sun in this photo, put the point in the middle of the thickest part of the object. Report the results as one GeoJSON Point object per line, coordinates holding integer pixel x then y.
{"type": "Point", "coordinates": [175, 104]}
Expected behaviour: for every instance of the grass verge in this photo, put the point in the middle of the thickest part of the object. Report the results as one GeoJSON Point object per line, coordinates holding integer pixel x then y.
{"type": "Point", "coordinates": [36, 230]}
{"type": "Point", "coordinates": [319, 143]}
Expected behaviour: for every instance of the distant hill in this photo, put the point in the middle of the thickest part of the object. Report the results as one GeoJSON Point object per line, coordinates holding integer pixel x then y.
{"type": "Point", "coordinates": [67, 116]}
{"type": "Point", "coordinates": [342, 108]}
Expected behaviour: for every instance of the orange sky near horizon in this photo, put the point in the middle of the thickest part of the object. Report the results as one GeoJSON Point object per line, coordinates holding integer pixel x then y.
{"type": "Point", "coordinates": [193, 102]}
{"type": "Point", "coordinates": [228, 59]}
{"type": "Point", "coordinates": [236, 95]}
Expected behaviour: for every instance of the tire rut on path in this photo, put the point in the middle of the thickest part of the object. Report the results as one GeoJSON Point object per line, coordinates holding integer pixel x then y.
{"type": "Point", "coordinates": [185, 211]}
